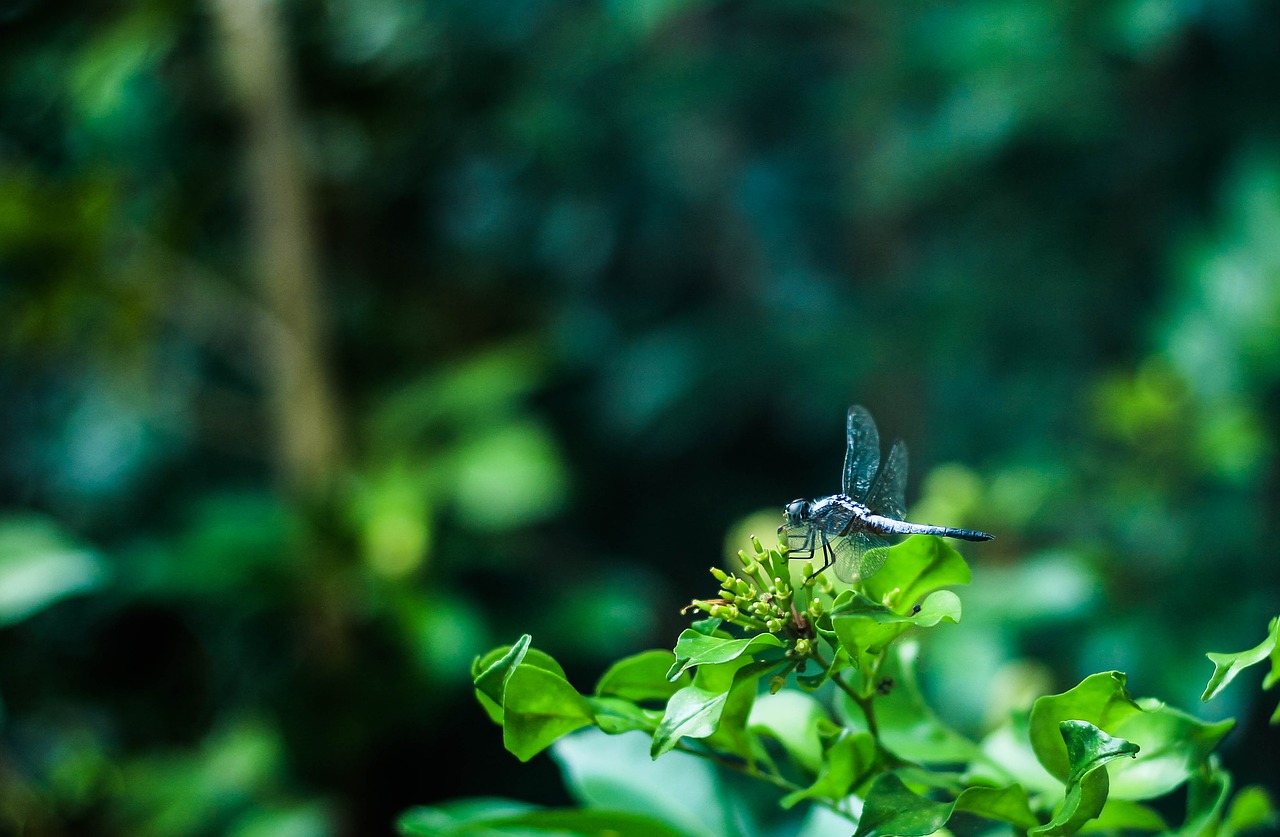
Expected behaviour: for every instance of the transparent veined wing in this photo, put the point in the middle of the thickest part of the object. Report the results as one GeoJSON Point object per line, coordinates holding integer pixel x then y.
{"type": "Point", "coordinates": [860, 555]}
{"type": "Point", "coordinates": [887, 494]}
{"type": "Point", "coordinates": [794, 537]}
{"type": "Point", "coordinates": [861, 453]}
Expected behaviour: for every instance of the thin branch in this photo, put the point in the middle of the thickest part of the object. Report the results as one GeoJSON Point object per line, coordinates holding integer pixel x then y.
{"type": "Point", "coordinates": [303, 401]}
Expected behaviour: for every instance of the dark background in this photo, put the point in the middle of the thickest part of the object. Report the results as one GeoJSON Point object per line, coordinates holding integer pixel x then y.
{"type": "Point", "coordinates": [341, 342]}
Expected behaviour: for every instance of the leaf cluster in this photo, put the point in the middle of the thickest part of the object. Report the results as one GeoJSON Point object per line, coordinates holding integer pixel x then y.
{"type": "Point", "coordinates": [810, 690]}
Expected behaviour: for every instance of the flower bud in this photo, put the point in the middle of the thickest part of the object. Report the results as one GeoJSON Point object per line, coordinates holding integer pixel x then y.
{"type": "Point", "coordinates": [727, 612]}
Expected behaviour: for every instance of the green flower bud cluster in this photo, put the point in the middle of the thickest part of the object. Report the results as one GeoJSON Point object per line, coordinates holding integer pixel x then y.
{"type": "Point", "coordinates": [760, 596]}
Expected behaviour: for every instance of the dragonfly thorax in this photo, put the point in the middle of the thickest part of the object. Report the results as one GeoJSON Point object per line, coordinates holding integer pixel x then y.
{"type": "Point", "coordinates": [828, 513]}
{"type": "Point", "coordinates": [819, 508]}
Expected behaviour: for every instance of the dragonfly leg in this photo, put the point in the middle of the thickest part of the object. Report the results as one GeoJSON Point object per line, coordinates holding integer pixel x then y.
{"type": "Point", "coordinates": [828, 557]}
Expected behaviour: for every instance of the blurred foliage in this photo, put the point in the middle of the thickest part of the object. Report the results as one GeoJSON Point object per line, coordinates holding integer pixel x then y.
{"type": "Point", "coordinates": [595, 277]}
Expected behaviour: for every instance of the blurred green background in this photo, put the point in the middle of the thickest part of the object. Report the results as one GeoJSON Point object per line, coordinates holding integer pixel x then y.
{"type": "Point", "coordinates": [342, 341]}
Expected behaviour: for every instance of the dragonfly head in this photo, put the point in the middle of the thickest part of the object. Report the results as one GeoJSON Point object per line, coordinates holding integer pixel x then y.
{"type": "Point", "coordinates": [797, 510]}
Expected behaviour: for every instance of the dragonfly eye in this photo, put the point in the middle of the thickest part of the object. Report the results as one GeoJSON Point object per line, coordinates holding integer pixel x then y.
{"type": "Point", "coordinates": [798, 510]}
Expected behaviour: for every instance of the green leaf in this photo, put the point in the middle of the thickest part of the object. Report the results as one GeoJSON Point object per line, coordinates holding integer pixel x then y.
{"type": "Point", "coordinates": [1227, 666]}
{"type": "Point", "coordinates": [539, 706]}
{"type": "Point", "coordinates": [909, 728]}
{"type": "Point", "coordinates": [940, 606]}
{"type": "Point", "coordinates": [450, 817]}
{"type": "Point", "coordinates": [717, 703]}
{"type": "Point", "coordinates": [617, 715]}
{"type": "Point", "coordinates": [708, 626]}
{"type": "Point", "coordinates": [1008, 804]}
{"type": "Point", "coordinates": [491, 708]}
{"type": "Point", "coordinates": [1250, 809]}
{"type": "Point", "coordinates": [1007, 756]}
{"type": "Point", "coordinates": [1088, 749]}
{"type": "Point", "coordinates": [490, 671]}
{"type": "Point", "coordinates": [1213, 812]}
{"type": "Point", "coordinates": [733, 735]}
{"type": "Point", "coordinates": [1125, 815]}
{"type": "Point", "coordinates": [847, 761]}
{"type": "Point", "coordinates": [864, 626]}
{"type": "Point", "coordinates": [591, 822]}
{"type": "Point", "coordinates": [916, 567]}
{"type": "Point", "coordinates": [1100, 699]}
{"type": "Point", "coordinates": [453, 821]}
{"type": "Point", "coordinates": [694, 648]}
{"type": "Point", "coordinates": [792, 718]}
{"type": "Point", "coordinates": [1174, 745]}
{"type": "Point", "coordinates": [894, 810]}
{"type": "Point", "coordinates": [641, 677]}
{"type": "Point", "coordinates": [891, 809]}
{"type": "Point", "coordinates": [1083, 801]}
{"type": "Point", "coordinates": [613, 772]}
{"type": "Point", "coordinates": [39, 565]}
{"type": "Point", "coordinates": [692, 712]}
{"type": "Point", "coordinates": [1207, 794]}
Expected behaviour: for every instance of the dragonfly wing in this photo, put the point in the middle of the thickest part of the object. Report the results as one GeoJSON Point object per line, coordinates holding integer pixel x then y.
{"type": "Point", "coordinates": [887, 494]}
{"type": "Point", "coordinates": [794, 537]}
{"type": "Point", "coordinates": [861, 454]}
{"type": "Point", "coordinates": [860, 555]}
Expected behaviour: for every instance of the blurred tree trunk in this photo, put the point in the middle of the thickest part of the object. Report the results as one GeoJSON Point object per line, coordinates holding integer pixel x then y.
{"type": "Point", "coordinates": [294, 341]}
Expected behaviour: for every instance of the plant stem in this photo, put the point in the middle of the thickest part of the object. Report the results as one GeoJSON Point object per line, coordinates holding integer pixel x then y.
{"type": "Point", "coordinates": [749, 769]}
{"type": "Point", "coordinates": [866, 704]}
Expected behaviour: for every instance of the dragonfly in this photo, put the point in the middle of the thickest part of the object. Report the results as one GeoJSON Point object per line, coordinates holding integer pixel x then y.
{"type": "Point", "coordinates": [853, 530]}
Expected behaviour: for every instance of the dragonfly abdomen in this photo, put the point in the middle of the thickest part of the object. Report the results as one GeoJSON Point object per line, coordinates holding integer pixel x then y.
{"type": "Point", "coordinates": [889, 526]}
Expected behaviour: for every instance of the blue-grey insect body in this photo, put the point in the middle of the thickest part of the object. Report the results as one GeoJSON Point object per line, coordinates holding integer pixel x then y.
{"type": "Point", "coordinates": [852, 530]}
